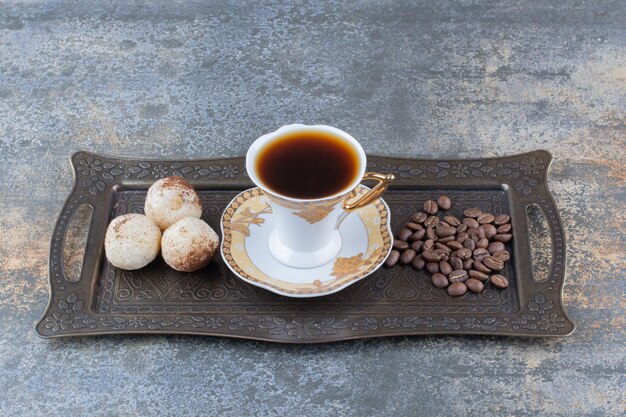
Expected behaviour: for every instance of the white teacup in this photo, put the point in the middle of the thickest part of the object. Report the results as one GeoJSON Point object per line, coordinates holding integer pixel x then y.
{"type": "Point", "coordinates": [306, 233]}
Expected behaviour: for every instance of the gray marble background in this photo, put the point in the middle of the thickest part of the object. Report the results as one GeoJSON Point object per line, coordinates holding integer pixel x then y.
{"type": "Point", "coordinates": [203, 79]}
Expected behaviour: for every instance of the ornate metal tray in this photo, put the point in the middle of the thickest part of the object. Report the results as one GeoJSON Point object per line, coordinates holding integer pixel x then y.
{"type": "Point", "coordinates": [99, 299]}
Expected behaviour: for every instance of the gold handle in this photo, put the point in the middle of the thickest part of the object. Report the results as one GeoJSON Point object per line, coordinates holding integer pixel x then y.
{"type": "Point", "coordinates": [371, 195]}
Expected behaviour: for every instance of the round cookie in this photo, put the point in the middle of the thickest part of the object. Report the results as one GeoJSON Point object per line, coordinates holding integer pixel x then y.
{"type": "Point", "coordinates": [189, 244]}
{"type": "Point", "coordinates": [132, 241]}
{"type": "Point", "coordinates": [171, 199]}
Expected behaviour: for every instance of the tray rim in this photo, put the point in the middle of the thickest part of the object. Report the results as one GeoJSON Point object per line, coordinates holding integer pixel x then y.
{"type": "Point", "coordinates": [41, 328]}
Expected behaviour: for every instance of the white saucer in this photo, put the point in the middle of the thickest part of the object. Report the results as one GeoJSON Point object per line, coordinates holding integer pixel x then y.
{"type": "Point", "coordinates": [247, 225]}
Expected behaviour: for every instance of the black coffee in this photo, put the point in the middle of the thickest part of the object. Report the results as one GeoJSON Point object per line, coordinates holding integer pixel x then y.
{"type": "Point", "coordinates": [307, 165]}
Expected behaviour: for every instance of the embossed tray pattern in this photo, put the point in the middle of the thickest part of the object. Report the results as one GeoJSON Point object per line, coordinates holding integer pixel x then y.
{"type": "Point", "coordinates": [397, 301]}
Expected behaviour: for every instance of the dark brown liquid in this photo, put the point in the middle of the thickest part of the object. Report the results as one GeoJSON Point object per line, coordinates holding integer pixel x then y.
{"type": "Point", "coordinates": [307, 165]}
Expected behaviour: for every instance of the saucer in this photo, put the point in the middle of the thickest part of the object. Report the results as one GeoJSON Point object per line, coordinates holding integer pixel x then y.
{"type": "Point", "coordinates": [247, 225]}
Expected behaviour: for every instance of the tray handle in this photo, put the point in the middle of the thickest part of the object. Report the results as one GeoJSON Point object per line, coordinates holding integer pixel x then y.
{"type": "Point", "coordinates": [541, 197]}
{"type": "Point", "coordinates": [96, 229]}
{"type": "Point", "coordinates": [68, 298]}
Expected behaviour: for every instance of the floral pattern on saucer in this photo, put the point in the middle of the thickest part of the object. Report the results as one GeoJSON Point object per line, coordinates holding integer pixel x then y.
{"type": "Point", "coordinates": [250, 210]}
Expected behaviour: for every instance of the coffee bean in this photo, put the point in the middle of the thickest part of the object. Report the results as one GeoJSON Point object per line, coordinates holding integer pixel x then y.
{"type": "Point", "coordinates": [482, 243]}
{"type": "Point", "coordinates": [489, 229]}
{"type": "Point", "coordinates": [430, 207]}
{"type": "Point", "coordinates": [473, 212]}
{"type": "Point", "coordinates": [467, 264]}
{"type": "Point", "coordinates": [418, 263]}
{"type": "Point", "coordinates": [462, 228]}
{"type": "Point", "coordinates": [452, 221]}
{"type": "Point", "coordinates": [430, 233]}
{"type": "Point", "coordinates": [432, 267]}
{"type": "Point", "coordinates": [503, 237]}
{"type": "Point", "coordinates": [404, 234]}
{"type": "Point", "coordinates": [462, 237]}
{"type": "Point", "coordinates": [503, 255]}
{"type": "Point", "coordinates": [481, 276]}
{"type": "Point", "coordinates": [457, 289]}
{"type": "Point", "coordinates": [445, 239]}
{"type": "Point", "coordinates": [494, 264]}
{"type": "Point", "coordinates": [417, 245]}
{"type": "Point", "coordinates": [444, 202]}
{"type": "Point", "coordinates": [464, 253]}
{"type": "Point", "coordinates": [439, 280]}
{"type": "Point", "coordinates": [400, 245]}
{"type": "Point", "coordinates": [469, 244]}
{"type": "Point", "coordinates": [443, 247]}
{"type": "Point", "coordinates": [454, 244]}
{"type": "Point", "coordinates": [480, 233]}
{"type": "Point", "coordinates": [501, 219]}
{"type": "Point", "coordinates": [458, 275]}
{"type": "Point", "coordinates": [456, 263]}
{"type": "Point", "coordinates": [441, 222]}
{"type": "Point", "coordinates": [430, 256]}
{"type": "Point", "coordinates": [505, 228]}
{"type": "Point", "coordinates": [428, 245]}
{"type": "Point", "coordinates": [419, 217]}
{"type": "Point", "coordinates": [480, 254]}
{"type": "Point", "coordinates": [414, 227]}
{"type": "Point", "coordinates": [495, 247]}
{"type": "Point", "coordinates": [471, 223]}
{"type": "Point", "coordinates": [435, 255]}
{"type": "Point", "coordinates": [499, 281]}
{"type": "Point", "coordinates": [392, 259]}
{"type": "Point", "coordinates": [473, 234]}
{"type": "Point", "coordinates": [485, 218]}
{"type": "Point", "coordinates": [407, 256]}
{"type": "Point", "coordinates": [474, 285]}
{"type": "Point", "coordinates": [445, 267]}
{"type": "Point", "coordinates": [445, 231]}
{"type": "Point", "coordinates": [431, 221]}
{"type": "Point", "coordinates": [417, 235]}
{"type": "Point", "coordinates": [479, 266]}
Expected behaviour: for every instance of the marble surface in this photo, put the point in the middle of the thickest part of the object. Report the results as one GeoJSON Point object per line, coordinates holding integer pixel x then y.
{"type": "Point", "coordinates": [204, 79]}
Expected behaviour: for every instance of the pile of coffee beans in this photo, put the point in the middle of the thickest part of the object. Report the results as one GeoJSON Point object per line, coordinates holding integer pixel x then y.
{"type": "Point", "coordinates": [461, 255]}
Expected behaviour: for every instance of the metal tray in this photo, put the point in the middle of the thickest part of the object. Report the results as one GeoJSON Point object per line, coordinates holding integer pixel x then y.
{"type": "Point", "coordinates": [398, 301]}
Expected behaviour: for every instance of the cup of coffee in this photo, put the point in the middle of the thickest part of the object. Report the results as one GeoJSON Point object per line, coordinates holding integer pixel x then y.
{"type": "Point", "coordinates": [309, 175]}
